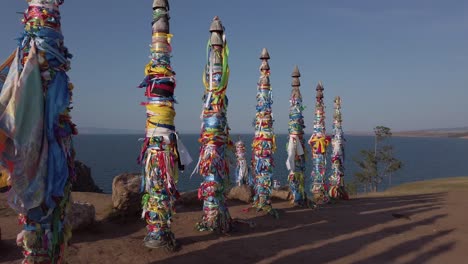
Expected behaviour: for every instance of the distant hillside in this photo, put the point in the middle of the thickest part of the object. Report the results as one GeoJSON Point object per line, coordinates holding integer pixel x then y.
{"type": "Point", "coordinates": [99, 130]}
{"type": "Point", "coordinates": [459, 132]}
{"type": "Point", "coordinates": [443, 130]}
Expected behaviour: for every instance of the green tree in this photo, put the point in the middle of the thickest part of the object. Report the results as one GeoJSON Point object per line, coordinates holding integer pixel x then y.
{"type": "Point", "coordinates": [381, 133]}
{"type": "Point", "coordinates": [376, 165]}
{"type": "Point", "coordinates": [389, 163]}
{"type": "Point", "coordinates": [367, 176]}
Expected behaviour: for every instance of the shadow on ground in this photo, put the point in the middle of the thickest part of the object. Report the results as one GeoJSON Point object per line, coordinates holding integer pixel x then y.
{"type": "Point", "coordinates": [330, 233]}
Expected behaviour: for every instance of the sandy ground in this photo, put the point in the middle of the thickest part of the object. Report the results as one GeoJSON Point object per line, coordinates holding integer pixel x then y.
{"type": "Point", "coordinates": [433, 229]}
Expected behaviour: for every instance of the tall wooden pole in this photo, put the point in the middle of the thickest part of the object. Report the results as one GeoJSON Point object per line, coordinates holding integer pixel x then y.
{"type": "Point", "coordinates": [213, 165]}
{"type": "Point", "coordinates": [319, 144]}
{"type": "Point", "coordinates": [296, 143]}
{"type": "Point", "coordinates": [264, 143]}
{"type": "Point", "coordinates": [163, 155]}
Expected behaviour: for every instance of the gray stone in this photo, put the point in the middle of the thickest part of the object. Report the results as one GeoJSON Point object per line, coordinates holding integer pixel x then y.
{"type": "Point", "coordinates": [283, 193]}
{"type": "Point", "coordinates": [216, 39]}
{"type": "Point", "coordinates": [265, 66]}
{"type": "Point", "coordinates": [242, 193]}
{"type": "Point", "coordinates": [84, 182]}
{"type": "Point", "coordinates": [295, 75]}
{"type": "Point", "coordinates": [161, 4]}
{"type": "Point", "coordinates": [296, 72]}
{"type": "Point", "coordinates": [126, 196]}
{"type": "Point", "coordinates": [319, 90]}
{"type": "Point", "coordinates": [265, 55]}
{"type": "Point", "coordinates": [216, 25]}
{"type": "Point", "coordinates": [82, 215]}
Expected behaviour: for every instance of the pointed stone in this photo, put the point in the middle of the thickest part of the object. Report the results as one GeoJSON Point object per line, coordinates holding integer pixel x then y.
{"type": "Point", "coordinates": [265, 55]}
{"type": "Point", "coordinates": [161, 4]}
{"type": "Point", "coordinates": [319, 90]}
{"type": "Point", "coordinates": [296, 82]}
{"type": "Point", "coordinates": [265, 66]}
{"type": "Point", "coordinates": [319, 86]}
{"type": "Point", "coordinates": [216, 39]}
{"type": "Point", "coordinates": [296, 72]}
{"type": "Point", "coordinates": [216, 25]}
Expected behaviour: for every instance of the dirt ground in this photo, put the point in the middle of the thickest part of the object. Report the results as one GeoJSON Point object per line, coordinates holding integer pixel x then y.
{"type": "Point", "coordinates": [387, 228]}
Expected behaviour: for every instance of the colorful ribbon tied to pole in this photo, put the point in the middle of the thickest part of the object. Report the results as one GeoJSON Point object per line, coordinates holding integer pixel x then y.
{"type": "Point", "coordinates": [296, 144]}
{"type": "Point", "coordinates": [319, 142]}
{"type": "Point", "coordinates": [264, 143]}
{"type": "Point", "coordinates": [213, 164]}
{"type": "Point", "coordinates": [242, 169]}
{"type": "Point", "coordinates": [36, 150]}
{"type": "Point", "coordinates": [337, 188]}
{"type": "Point", "coordinates": [163, 154]}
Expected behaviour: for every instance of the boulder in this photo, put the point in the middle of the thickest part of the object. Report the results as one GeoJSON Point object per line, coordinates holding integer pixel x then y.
{"type": "Point", "coordinates": [283, 193]}
{"type": "Point", "coordinates": [82, 215]}
{"type": "Point", "coordinates": [84, 182]}
{"type": "Point", "coordinates": [242, 193]}
{"type": "Point", "coordinates": [126, 196]}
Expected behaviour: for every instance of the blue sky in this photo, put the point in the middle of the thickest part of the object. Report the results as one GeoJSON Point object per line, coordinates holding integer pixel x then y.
{"type": "Point", "coordinates": [402, 64]}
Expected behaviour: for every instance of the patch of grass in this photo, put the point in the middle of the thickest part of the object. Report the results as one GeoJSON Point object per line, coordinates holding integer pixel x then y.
{"type": "Point", "coordinates": [431, 186]}
{"type": "Point", "coordinates": [352, 188]}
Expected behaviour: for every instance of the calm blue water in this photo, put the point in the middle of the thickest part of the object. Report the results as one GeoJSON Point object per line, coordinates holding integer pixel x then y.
{"type": "Point", "coordinates": [424, 158]}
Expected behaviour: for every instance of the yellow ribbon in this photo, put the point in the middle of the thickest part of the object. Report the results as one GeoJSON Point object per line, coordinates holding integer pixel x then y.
{"type": "Point", "coordinates": [150, 70]}
{"type": "Point", "coordinates": [264, 136]}
{"type": "Point", "coordinates": [159, 34]}
{"type": "Point", "coordinates": [319, 143]}
{"type": "Point", "coordinates": [162, 114]}
{"type": "Point", "coordinates": [4, 175]}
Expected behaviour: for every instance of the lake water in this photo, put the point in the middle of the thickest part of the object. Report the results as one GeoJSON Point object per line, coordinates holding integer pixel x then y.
{"type": "Point", "coordinates": [423, 158]}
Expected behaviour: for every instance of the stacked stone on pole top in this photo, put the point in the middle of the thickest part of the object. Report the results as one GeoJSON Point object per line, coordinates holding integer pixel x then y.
{"type": "Point", "coordinates": [161, 8]}
{"type": "Point", "coordinates": [295, 75]}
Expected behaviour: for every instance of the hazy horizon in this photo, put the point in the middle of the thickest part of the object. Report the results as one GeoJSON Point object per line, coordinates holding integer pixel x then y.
{"type": "Point", "coordinates": [100, 131]}
{"type": "Point", "coordinates": [399, 64]}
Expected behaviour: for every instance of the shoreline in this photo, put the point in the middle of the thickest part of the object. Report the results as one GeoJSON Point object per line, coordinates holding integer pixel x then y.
{"type": "Point", "coordinates": [459, 135]}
